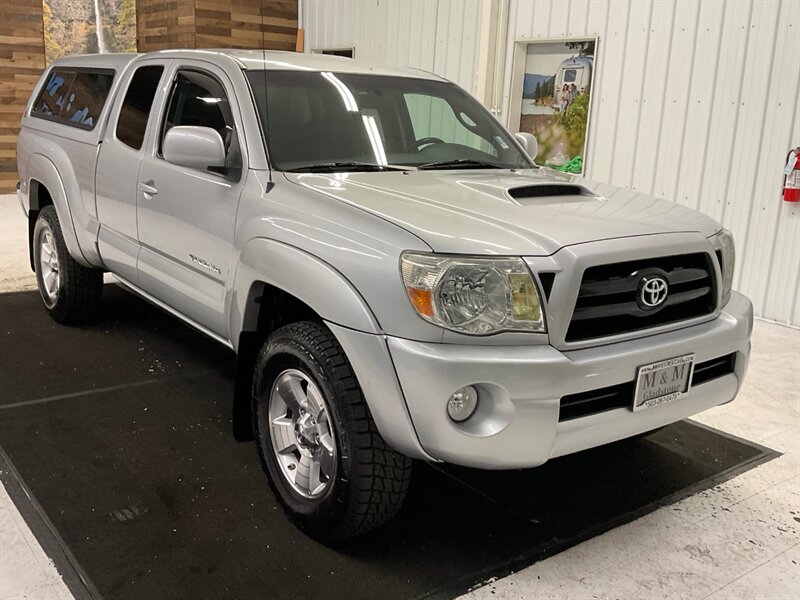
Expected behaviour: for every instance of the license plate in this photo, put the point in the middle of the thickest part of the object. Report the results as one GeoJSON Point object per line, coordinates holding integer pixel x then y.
{"type": "Point", "coordinates": [662, 382]}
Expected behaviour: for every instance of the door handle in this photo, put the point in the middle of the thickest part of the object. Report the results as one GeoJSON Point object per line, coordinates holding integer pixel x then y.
{"type": "Point", "coordinates": [148, 189]}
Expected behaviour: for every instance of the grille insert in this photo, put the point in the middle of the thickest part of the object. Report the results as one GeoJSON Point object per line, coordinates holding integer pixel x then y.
{"type": "Point", "coordinates": [607, 300]}
{"type": "Point", "coordinates": [592, 402]}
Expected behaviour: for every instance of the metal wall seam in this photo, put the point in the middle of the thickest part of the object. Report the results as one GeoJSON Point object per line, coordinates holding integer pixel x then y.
{"type": "Point", "coordinates": [712, 88]}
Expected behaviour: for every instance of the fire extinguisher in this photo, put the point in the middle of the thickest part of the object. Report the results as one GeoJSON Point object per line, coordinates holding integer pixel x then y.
{"type": "Point", "coordinates": [791, 176]}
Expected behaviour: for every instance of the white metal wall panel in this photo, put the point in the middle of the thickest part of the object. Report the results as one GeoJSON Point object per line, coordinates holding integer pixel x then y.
{"type": "Point", "coordinates": [435, 35]}
{"type": "Point", "coordinates": [694, 101]}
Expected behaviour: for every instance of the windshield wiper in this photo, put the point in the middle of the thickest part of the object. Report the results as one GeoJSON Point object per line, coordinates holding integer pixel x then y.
{"type": "Point", "coordinates": [332, 167]}
{"type": "Point", "coordinates": [459, 163]}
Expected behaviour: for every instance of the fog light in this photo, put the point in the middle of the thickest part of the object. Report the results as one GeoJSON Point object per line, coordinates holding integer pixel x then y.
{"type": "Point", "coordinates": [462, 403]}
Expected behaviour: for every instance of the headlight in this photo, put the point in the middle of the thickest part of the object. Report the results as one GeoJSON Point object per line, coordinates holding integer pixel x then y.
{"type": "Point", "coordinates": [473, 295]}
{"type": "Point", "coordinates": [728, 253]}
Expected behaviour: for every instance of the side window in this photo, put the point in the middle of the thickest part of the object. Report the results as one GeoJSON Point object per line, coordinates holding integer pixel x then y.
{"type": "Point", "coordinates": [199, 99]}
{"type": "Point", "coordinates": [52, 96]}
{"type": "Point", "coordinates": [133, 114]}
{"type": "Point", "coordinates": [74, 98]}
{"type": "Point", "coordinates": [432, 116]}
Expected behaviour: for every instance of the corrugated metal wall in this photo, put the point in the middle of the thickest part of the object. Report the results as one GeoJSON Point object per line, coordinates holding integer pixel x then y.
{"type": "Point", "coordinates": [435, 35]}
{"type": "Point", "coordinates": [694, 101]}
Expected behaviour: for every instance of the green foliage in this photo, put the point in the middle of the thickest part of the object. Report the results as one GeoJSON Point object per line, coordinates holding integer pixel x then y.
{"type": "Point", "coordinates": [585, 48]}
{"type": "Point", "coordinates": [573, 120]}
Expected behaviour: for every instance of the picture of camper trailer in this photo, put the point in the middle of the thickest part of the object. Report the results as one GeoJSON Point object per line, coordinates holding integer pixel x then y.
{"type": "Point", "coordinates": [556, 85]}
{"type": "Point", "coordinates": [576, 71]}
{"type": "Point", "coordinates": [544, 95]}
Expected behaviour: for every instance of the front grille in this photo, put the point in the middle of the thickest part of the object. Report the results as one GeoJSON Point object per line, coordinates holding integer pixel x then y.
{"type": "Point", "coordinates": [621, 395]}
{"type": "Point", "coordinates": [607, 300]}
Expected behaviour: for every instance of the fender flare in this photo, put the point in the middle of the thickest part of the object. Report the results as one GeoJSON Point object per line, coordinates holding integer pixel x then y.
{"type": "Point", "coordinates": [44, 171]}
{"type": "Point", "coordinates": [331, 295]}
{"type": "Point", "coordinates": [306, 277]}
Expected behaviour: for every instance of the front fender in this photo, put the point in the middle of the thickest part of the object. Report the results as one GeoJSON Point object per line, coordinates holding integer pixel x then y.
{"type": "Point", "coordinates": [332, 297]}
{"type": "Point", "coordinates": [302, 275]}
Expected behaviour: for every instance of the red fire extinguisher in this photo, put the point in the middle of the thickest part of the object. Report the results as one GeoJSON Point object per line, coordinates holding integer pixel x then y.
{"type": "Point", "coordinates": [791, 176]}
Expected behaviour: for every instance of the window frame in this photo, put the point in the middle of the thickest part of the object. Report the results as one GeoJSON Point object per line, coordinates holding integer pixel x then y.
{"type": "Point", "coordinates": [164, 70]}
{"type": "Point", "coordinates": [574, 71]}
{"type": "Point", "coordinates": [404, 117]}
{"type": "Point", "coordinates": [159, 140]}
{"type": "Point", "coordinates": [58, 119]}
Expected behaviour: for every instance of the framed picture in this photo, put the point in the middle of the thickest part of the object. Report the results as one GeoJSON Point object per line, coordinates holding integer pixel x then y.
{"type": "Point", "coordinates": [88, 27]}
{"type": "Point", "coordinates": [551, 97]}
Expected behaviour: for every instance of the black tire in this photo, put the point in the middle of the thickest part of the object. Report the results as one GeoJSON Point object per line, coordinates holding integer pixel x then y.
{"type": "Point", "coordinates": [371, 479]}
{"type": "Point", "coordinates": [77, 290]}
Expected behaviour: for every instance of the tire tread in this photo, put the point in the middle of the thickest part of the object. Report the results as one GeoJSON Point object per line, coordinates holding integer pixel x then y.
{"type": "Point", "coordinates": [381, 476]}
{"type": "Point", "coordinates": [81, 291]}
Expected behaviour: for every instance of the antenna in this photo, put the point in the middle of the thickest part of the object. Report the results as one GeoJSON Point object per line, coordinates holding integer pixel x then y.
{"type": "Point", "coordinates": [265, 120]}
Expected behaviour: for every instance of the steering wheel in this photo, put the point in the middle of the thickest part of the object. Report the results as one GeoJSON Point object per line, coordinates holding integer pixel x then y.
{"type": "Point", "coordinates": [414, 146]}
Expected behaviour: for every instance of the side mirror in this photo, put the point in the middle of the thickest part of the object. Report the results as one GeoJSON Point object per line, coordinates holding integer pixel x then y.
{"type": "Point", "coordinates": [194, 147]}
{"type": "Point", "coordinates": [528, 143]}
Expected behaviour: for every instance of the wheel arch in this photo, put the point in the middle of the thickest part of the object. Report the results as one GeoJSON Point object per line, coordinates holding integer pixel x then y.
{"type": "Point", "coordinates": [46, 188]}
{"type": "Point", "coordinates": [272, 275]}
{"type": "Point", "coordinates": [276, 284]}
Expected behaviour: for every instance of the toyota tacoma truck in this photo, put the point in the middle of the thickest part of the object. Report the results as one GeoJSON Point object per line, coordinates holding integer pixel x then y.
{"type": "Point", "coordinates": [398, 278]}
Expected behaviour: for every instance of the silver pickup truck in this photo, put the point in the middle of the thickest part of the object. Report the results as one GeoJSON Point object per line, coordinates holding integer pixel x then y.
{"type": "Point", "coordinates": [386, 260]}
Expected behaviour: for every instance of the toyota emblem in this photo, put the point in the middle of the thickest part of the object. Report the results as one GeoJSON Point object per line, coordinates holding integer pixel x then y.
{"type": "Point", "coordinates": [653, 291]}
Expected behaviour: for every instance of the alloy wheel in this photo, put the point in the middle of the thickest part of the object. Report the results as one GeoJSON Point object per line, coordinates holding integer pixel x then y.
{"type": "Point", "coordinates": [302, 434]}
{"type": "Point", "coordinates": [49, 266]}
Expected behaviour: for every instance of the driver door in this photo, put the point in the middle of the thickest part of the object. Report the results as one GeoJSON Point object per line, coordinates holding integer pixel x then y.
{"type": "Point", "coordinates": [187, 216]}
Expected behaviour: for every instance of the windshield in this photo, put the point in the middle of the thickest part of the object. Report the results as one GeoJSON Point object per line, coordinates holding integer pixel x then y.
{"type": "Point", "coordinates": [351, 121]}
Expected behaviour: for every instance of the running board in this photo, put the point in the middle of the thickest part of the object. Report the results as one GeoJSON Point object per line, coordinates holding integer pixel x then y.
{"type": "Point", "coordinates": [121, 281]}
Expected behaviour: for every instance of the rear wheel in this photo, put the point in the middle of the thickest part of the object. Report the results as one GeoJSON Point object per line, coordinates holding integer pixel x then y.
{"type": "Point", "coordinates": [327, 464]}
{"type": "Point", "coordinates": [70, 292]}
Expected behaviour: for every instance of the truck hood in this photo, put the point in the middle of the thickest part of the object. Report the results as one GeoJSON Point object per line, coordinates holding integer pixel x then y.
{"type": "Point", "coordinates": [533, 212]}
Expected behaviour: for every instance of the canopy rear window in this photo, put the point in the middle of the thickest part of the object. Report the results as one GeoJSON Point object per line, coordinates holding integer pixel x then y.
{"type": "Point", "coordinates": [73, 96]}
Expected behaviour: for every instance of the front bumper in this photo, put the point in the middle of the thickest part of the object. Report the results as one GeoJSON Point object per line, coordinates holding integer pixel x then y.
{"type": "Point", "coordinates": [516, 424]}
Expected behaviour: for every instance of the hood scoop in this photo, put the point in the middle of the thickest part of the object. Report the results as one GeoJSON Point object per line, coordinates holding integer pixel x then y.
{"type": "Point", "coordinates": [555, 192]}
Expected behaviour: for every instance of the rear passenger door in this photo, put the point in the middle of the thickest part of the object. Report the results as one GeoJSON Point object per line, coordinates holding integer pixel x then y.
{"type": "Point", "coordinates": [187, 216]}
{"type": "Point", "coordinates": [120, 156]}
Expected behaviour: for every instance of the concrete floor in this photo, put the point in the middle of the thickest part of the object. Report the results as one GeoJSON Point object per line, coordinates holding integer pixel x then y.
{"type": "Point", "coordinates": [740, 539]}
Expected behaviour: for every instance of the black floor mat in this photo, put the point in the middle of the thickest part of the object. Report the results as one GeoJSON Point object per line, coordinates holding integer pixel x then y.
{"type": "Point", "coordinates": [122, 432]}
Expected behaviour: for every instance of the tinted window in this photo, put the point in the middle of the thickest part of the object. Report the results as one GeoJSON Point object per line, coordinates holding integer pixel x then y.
{"type": "Point", "coordinates": [135, 110]}
{"type": "Point", "coordinates": [74, 97]}
{"type": "Point", "coordinates": [433, 117]}
{"type": "Point", "coordinates": [199, 99]}
{"type": "Point", "coordinates": [52, 96]}
{"type": "Point", "coordinates": [569, 75]}
{"type": "Point", "coordinates": [318, 118]}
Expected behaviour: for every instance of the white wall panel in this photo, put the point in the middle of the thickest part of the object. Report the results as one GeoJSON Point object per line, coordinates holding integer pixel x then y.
{"type": "Point", "coordinates": [435, 35]}
{"type": "Point", "coordinates": [694, 101]}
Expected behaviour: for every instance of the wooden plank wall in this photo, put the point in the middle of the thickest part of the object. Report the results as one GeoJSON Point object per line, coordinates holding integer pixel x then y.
{"type": "Point", "coordinates": [160, 24]}
{"type": "Point", "coordinates": [216, 24]}
{"type": "Point", "coordinates": [21, 64]}
{"type": "Point", "coordinates": [163, 24]}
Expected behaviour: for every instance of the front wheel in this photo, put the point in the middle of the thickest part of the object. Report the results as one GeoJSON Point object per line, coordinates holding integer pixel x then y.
{"type": "Point", "coordinates": [70, 292]}
{"type": "Point", "coordinates": [327, 464]}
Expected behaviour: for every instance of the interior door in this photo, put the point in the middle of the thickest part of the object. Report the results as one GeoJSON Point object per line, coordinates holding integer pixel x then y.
{"type": "Point", "coordinates": [187, 216]}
